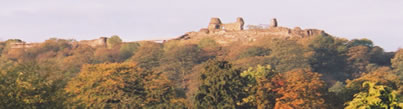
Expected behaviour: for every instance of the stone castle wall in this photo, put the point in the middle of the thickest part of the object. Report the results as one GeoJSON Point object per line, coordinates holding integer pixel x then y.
{"type": "Point", "coordinates": [16, 45]}
{"type": "Point", "coordinates": [225, 33]}
{"type": "Point", "coordinates": [101, 42]}
{"type": "Point", "coordinates": [216, 24]}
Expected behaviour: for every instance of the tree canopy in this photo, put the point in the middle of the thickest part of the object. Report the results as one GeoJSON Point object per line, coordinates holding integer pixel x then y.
{"type": "Point", "coordinates": [318, 72]}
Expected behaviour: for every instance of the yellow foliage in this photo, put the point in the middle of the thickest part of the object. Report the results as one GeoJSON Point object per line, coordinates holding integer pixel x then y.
{"type": "Point", "coordinates": [107, 85]}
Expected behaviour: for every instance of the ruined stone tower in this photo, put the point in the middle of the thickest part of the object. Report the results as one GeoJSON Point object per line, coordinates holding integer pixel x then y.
{"type": "Point", "coordinates": [230, 32]}
{"type": "Point", "coordinates": [273, 22]}
{"type": "Point", "coordinates": [215, 24]}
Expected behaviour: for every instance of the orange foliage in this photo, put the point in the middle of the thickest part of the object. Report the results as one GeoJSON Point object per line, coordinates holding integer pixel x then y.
{"type": "Point", "coordinates": [381, 76]}
{"type": "Point", "coordinates": [299, 89]}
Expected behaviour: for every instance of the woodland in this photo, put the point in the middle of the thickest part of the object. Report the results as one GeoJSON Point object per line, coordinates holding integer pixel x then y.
{"type": "Point", "coordinates": [320, 72]}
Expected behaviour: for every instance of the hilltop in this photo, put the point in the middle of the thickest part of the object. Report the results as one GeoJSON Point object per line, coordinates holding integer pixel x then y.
{"type": "Point", "coordinates": [225, 33]}
{"type": "Point", "coordinates": [222, 33]}
{"type": "Point", "coordinates": [279, 66]}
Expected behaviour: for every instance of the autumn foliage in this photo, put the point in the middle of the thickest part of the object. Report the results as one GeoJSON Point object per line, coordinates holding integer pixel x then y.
{"type": "Point", "coordinates": [318, 72]}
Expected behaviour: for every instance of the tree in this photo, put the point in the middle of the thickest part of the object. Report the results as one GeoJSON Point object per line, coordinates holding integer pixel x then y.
{"type": "Point", "coordinates": [54, 44]}
{"type": "Point", "coordinates": [397, 63]}
{"type": "Point", "coordinates": [337, 87]}
{"type": "Point", "coordinates": [127, 50]}
{"type": "Point", "coordinates": [108, 86]}
{"type": "Point", "coordinates": [210, 48]}
{"type": "Point", "coordinates": [148, 55]}
{"type": "Point", "coordinates": [221, 87]}
{"type": "Point", "coordinates": [358, 58]}
{"type": "Point", "coordinates": [328, 54]}
{"type": "Point", "coordinates": [286, 55]}
{"type": "Point", "coordinates": [121, 85]}
{"type": "Point", "coordinates": [102, 55]}
{"type": "Point", "coordinates": [254, 51]}
{"type": "Point", "coordinates": [114, 41]}
{"type": "Point", "coordinates": [381, 76]}
{"type": "Point", "coordinates": [161, 93]}
{"type": "Point", "coordinates": [260, 87]}
{"type": "Point", "coordinates": [2, 47]}
{"type": "Point", "coordinates": [208, 43]}
{"type": "Point", "coordinates": [336, 97]}
{"type": "Point", "coordinates": [179, 61]}
{"type": "Point", "coordinates": [360, 42]}
{"type": "Point", "coordinates": [28, 86]}
{"type": "Point", "coordinates": [282, 54]}
{"type": "Point", "coordinates": [299, 89]}
{"type": "Point", "coordinates": [380, 57]}
{"type": "Point", "coordinates": [79, 56]}
{"type": "Point", "coordinates": [375, 97]}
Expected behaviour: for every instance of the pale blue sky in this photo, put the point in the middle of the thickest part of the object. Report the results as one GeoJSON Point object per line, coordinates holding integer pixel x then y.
{"type": "Point", "coordinates": [38, 20]}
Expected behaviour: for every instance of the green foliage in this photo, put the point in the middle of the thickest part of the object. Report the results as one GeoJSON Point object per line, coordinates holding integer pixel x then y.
{"type": "Point", "coordinates": [179, 61]}
{"type": "Point", "coordinates": [2, 47]}
{"type": "Point", "coordinates": [328, 56]}
{"type": "Point", "coordinates": [127, 50]}
{"type": "Point", "coordinates": [375, 97]}
{"type": "Point", "coordinates": [259, 87]}
{"type": "Point", "coordinates": [254, 51]}
{"type": "Point", "coordinates": [76, 58]}
{"type": "Point", "coordinates": [358, 58]}
{"type": "Point", "coordinates": [110, 86]}
{"type": "Point", "coordinates": [102, 55]}
{"type": "Point", "coordinates": [286, 55]}
{"type": "Point", "coordinates": [160, 92]}
{"type": "Point", "coordinates": [170, 74]}
{"type": "Point", "coordinates": [113, 41]}
{"type": "Point", "coordinates": [25, 86]}
{"type": "Point", "coordinates": [337, 87]}
{"type": "Point", "coordinates": [120, 86]}
{"type": "Point", "coordinates": [55, 45]}
{"type": "Point", "coordinates": [221, 87]}
{"type": "Point", "coordinates": [207, 43]}
{"type": "Point", "coordinates": [381, 76]}
{"type": "Point", "coordinates": [148, 55]}
{"type": "Point", "coordinates": [336, 95]}
{"type": "Point", "coordinates": [358, 42]}
{"type": "Point", "coordinates": [380, 57]}
{"type": "Point", "coordinates": [397, 63]}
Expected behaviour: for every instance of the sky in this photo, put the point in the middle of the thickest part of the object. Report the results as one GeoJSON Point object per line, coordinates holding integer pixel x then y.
{"type": "Point", "coordinates": [37, 20]}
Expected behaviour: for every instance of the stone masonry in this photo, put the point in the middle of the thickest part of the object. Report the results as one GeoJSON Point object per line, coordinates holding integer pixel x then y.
{"type": "Point", "coordinates": [215, 25]}
{"type": "Point", "coordinates": [231, 32]}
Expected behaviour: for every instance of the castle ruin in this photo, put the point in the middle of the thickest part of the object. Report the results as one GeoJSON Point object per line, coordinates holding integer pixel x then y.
{"type": "Point", "coordinates": [221, 32]}
{"type": "Point", "coordinates": [215, 24]}
{"type": "Point", "coordinates": [273, 23]}
{"type": "Point", "coordinates": [230, 32]}
{"type": "Point", "coordinates": [101, 42]}
{"type": "Point", "coordinates": [16, 45]}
